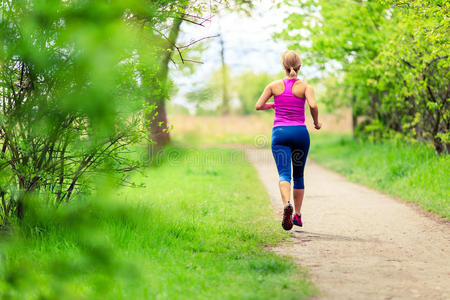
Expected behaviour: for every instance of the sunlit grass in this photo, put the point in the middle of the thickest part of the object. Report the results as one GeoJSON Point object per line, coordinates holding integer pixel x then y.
{"type": "Point", "coordinates": [197, 230]}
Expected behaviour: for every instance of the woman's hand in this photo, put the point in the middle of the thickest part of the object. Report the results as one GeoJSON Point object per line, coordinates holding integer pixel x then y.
{"type": "Point", "coordinates": [317, 125]}
{"type": "Point", "coordinates": [266, 106]}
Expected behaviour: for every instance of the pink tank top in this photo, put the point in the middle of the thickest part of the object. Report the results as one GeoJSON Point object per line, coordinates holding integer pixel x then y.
{"type": "Point", "coordinates": [289, 109]}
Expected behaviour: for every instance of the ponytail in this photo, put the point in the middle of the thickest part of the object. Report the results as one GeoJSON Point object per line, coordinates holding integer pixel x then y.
{"type": "Point", "coordinates": [292, 73]}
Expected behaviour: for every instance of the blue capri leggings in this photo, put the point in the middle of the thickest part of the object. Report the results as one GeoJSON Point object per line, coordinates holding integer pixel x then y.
{"type": "Point", "coordinates": [290, 145]}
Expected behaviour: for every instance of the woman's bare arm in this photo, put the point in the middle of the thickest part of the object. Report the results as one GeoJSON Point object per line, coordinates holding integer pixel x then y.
{"type": "Point", "coordinates": [311, 98]}
{"type": "Point", "coordinates": [265, 96]}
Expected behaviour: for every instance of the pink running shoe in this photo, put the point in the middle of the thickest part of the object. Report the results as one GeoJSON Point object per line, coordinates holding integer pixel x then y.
{"type": "Point", "coordinates": [297, 220]}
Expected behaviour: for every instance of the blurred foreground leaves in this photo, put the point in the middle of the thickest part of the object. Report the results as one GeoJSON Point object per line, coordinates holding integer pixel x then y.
{"type": "Point", "coordinates": [73, 79]}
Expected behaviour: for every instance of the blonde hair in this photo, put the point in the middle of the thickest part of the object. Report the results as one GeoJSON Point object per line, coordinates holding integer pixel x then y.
{"type": "Point", "coordinates": [291, 62]}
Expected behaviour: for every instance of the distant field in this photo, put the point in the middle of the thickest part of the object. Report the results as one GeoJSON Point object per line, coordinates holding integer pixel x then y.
{"type": "Point", "coordinates": [210, 130]}
{"type": "Point", "coordinates": [237, 129]}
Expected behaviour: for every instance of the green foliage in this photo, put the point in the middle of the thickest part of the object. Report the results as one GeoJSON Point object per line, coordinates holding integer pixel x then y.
{"type": "Point", "coordinates": [408, 170]}
{"type": "Point", "coordinates": [331, 91]}
{"type": "Point", "coordinates": [172, 239]}
{"type": "Point", "coordinates": [208, 96]}
{"type": "Point", "coordinates": [202, 95]}
{"type": "Point", "coordinates": [248, 87]}
{"type": "Point", "coordinates": [393, 56]}
{"type": "Point", "coordinates": [73, 77]}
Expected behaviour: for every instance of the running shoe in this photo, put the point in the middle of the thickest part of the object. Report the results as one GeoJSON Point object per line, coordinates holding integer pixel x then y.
{"type": "Point", "coordinates": [297, 220]}
{"type": "Point", "coordinates": [287, 217]}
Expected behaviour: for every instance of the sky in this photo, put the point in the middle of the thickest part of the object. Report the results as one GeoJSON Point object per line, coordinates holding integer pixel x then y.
{"type": "Point", "coordinates": [248, 40]}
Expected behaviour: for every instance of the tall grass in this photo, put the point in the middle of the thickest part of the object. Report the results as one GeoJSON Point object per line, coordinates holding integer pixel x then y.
{"type": "Point", "coordinates": [197, 230]}
{"type": "Point", "coordinates": [413, 172]}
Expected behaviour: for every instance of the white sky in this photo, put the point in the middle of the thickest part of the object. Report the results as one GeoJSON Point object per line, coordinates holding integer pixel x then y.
{"type": "Point", "coordinates": [248, 40]}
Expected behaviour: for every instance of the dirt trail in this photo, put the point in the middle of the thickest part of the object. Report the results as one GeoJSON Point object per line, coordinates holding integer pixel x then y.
{"type": "Point", "coordinates": [359, 243]}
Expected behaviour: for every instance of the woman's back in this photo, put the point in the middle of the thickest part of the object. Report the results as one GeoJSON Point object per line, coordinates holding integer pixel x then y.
{"type": "Point", "coordinates": [289, 99]}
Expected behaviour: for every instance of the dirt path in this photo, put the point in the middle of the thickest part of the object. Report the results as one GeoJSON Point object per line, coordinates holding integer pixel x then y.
{"type": "Point", "coordinates": [359, 243]}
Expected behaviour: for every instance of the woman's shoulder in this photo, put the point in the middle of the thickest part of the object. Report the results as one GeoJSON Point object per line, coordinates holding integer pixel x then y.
{"type": "Point", "coordinates": [275, 82]}
{"type": "Point", "coordinates": [303, 85]}
{"type": "Point", "coordinates": [299, 88]}
{"type": "Point", "coordinates": [301, 82]}
{"type": "Point", "coordinates": [276, 86]}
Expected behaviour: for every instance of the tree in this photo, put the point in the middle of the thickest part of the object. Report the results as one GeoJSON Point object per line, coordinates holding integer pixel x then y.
{"type": "Point", "coordinates": [393, 57]}
{"type": "Point", "coordinates": [192, 12]}
{"type": "Point", "coordinates": [225, 107]}
{"type": "Point", "coordinates": [159, 134]}
{"type": "Point", "coordinates": [70, 95]}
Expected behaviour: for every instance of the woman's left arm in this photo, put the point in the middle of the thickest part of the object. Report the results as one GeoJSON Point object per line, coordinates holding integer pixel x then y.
{"type": "Point", "coordinates": [265, 96]}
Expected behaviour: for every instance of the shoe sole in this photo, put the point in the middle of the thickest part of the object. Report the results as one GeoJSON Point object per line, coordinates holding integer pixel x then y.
{"type": "Point", "coordinates": [287, 217]}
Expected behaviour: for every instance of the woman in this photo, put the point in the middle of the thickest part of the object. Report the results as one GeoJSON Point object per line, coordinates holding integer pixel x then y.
{"type": "Point", "coordinates": [290, 138]}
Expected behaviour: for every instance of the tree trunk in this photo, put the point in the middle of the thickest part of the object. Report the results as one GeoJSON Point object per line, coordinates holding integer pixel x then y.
{"type": "Point", "coordinates": [354, 116]}
{"type": "Point", "coordinates": [158, 129]}
{"type": "Point", "coordinates": [225, 95]}
{"type": "Point", "coordinates": [159, 133]}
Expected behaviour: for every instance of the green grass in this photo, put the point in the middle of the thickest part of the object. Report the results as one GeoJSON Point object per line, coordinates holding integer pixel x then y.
{"type": "Point", "coordinates": [412, 172]}
{"type": "Point", "coordinates": [197, 230]}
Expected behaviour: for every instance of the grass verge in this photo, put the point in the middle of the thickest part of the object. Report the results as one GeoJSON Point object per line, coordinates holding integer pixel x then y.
{"type": "Point", "coordinates": [411, 172]}
{"type": "Point", "coordinates": [197, 230]}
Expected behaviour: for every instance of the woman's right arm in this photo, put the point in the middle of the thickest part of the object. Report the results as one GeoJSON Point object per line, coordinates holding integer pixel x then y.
{"type": "Point", "coordinates": [262, 104]}
{"type": "Point", "coordinates": [311, 98]}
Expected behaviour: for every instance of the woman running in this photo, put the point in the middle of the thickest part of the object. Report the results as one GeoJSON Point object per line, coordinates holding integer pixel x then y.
{"type": "Point", "coordinates": [290, 138]}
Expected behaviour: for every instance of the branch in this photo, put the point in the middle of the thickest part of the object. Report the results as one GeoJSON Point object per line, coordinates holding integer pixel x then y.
{"type": "Point", "coordinates": [194, 61]}
{"type": "Point", "coordinates": [408, 63]}
{"type": "Point", "coordinates": [178, 48]}
{"type": "Point", "coordinates": [436, 59]}
{"type": "Point", "coordinates": [204, 20]}
{"type": "Point", "coordinates": [172, 44]}
{"type": "Point", "coordinates": [199, 17]}
{"type": "Point", "coordinates": [193, 22]}
{"type": "Point", "coordinates": [196, 41]}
